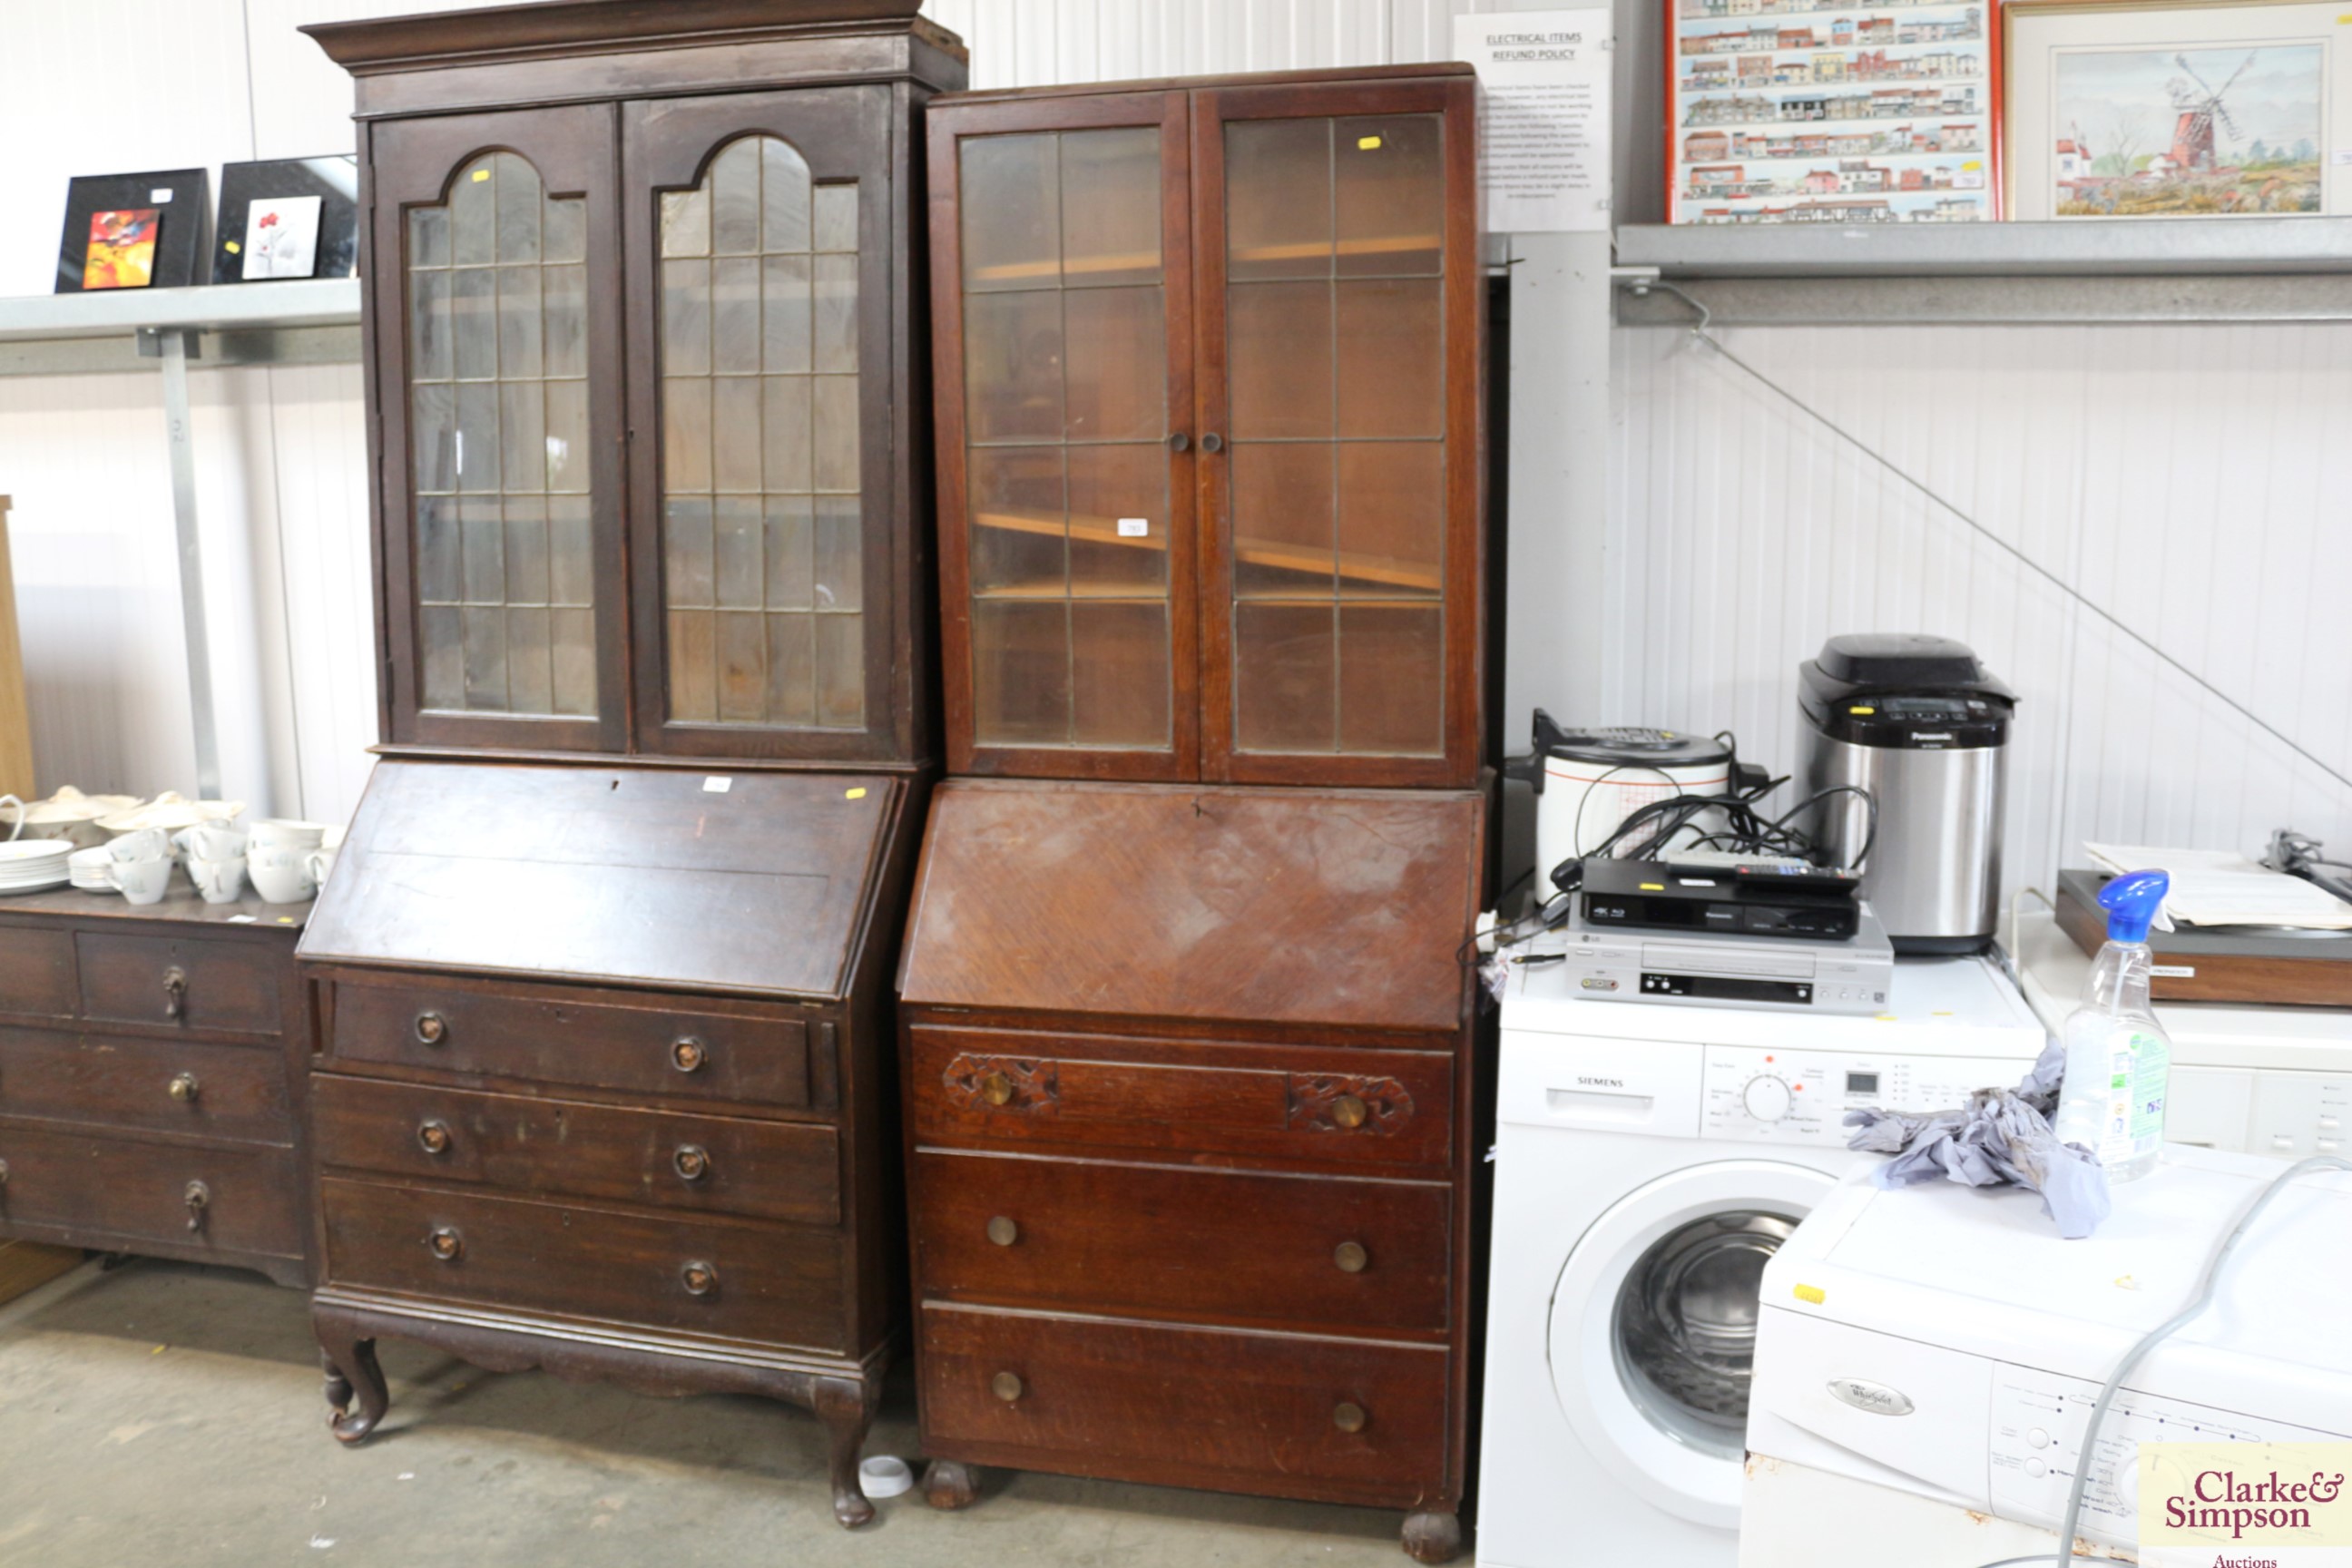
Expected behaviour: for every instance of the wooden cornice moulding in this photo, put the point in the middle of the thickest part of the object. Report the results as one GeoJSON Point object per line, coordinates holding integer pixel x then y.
{"type": "Point", "coordinates": [556, 27]}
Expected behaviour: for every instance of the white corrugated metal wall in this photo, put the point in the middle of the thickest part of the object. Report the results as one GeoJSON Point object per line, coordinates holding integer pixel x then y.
{"type": "Point", "coordinates": [2184, 478]}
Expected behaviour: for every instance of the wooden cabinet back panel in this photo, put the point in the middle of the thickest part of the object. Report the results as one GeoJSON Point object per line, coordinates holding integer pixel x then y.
{"type": "Point", "coordinates": [767, 1169]}
{"type": "Point", "coordinates": [110, 1185]}
{"type": "Point", "coordinates": [1156, 1241]}
{"type": "Point", "coordinates": [172, 1086]}
{"type": "Point", "coordinates": [36, 972]}
{"type": "Point", "coordinates": [770, 1284]}
{"type": "Point", "coordinates": [194, 985]}
{"type": "Point", "coordinates": [1106, 1395]}
{"type": "Point", "coordinates": [1097, 1091]}
{"type": "Point", "coordinates": [642, 1050]}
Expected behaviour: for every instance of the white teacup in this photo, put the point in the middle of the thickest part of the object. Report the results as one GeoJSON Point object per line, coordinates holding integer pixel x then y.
{"type": "Point", "coordinates": [12, 800]}
{"type": "Point", "coordinates": [319, 864]}
{"type": "Point", "coordinates": [141, 844]}
{"type": "Point", "coordinates": [279, 875]}
{"type": "Point", "coordinates": [211, 842]}
{"type": "Point", "coordinates": [140, 881]}
{"type": "Point", "coordinates": [220, 881]}
{"type": "Point", "coordinates": [271, 832]}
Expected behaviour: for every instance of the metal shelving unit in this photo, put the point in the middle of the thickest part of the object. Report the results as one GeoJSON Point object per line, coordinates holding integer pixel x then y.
{"type": "Point", "coordinates": [300, 322]}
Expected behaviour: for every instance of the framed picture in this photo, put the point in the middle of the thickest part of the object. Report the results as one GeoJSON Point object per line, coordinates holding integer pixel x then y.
{"type": "Point", "coordinates": [133, 231]}
{"type": "Point", "coordinates": [287, 217]}
{"type": "Point", "coordinates": [2212, 108]}
{"type": "Point", "coordinates": [1797, 111]}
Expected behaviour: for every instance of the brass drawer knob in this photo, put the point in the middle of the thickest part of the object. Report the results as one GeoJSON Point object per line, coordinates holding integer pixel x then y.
{"type": "Point", "coordinates": [198, 1197]}
{"type": "Point", "coordinates": [692, 1162]}
{"type": "Point", "coordinates": [1350, 1256]}
{"type": "Point", "coordinates": [434, 1137]}
{"type": "Point", "coordinates": [446, 1244]}
{"type": "Point", "coordinates": [1006, 1386]}
{"type": "Point", "coordinates": [699, 1278]}
{"type": "Point", "coordinates": [1348, 1416]}
{"type": "Point", "coordinates": [1003, 1231]}
{"type": "Point", "coordinates": [688, 1054]}
{"type": "Point", "coordinates": [184, 1089]}
{"type": "Point", "coordinates": [1350, 1112]}
{"type": "Point", "coordinates": [175, 992]}
{"type": "Point", "coordinates": [996, 1088]}
{"type": "Point", "coordinates": [431, 1028]}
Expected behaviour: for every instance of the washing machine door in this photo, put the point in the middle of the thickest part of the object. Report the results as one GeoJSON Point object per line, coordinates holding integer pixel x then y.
{"type": "Point", "coordinates": [1654, 1328]}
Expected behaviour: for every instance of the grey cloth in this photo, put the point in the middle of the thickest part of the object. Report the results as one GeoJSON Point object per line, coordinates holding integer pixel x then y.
{"type": "Point", "coordinates": [2001, 1137]}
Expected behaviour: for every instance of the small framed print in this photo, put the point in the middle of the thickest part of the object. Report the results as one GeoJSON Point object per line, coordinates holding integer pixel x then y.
{"type": "Point", "coordinates": [1800, 111]}
{"type": "Point", "coordinates": [2177, 109]}
{"type": "Point", "coordinates": [287, 217]}
{"type": "Point", "coordinates": [132, 231]}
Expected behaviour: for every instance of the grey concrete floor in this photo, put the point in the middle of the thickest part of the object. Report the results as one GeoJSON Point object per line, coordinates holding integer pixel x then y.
{"type": "Point", "coordinates": [171, 1415]}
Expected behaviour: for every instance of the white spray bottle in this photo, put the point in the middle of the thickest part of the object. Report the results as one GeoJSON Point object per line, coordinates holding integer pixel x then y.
{"type": "Point", "coordinates": [2118, 1060]}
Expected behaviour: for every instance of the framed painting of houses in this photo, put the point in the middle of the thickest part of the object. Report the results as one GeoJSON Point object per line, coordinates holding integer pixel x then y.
{"type": "Point", "coordinates": [2234, 108]}
{"type": "Point", "coordinates": [1809, 111]}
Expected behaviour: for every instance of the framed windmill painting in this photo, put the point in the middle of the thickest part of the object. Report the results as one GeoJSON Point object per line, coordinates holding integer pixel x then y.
{"type": "Point", "coordinates": [2121, 108]}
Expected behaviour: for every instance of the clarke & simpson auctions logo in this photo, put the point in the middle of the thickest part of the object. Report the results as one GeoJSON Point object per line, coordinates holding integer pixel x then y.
{"type": "Point", "coordinates": [2245, 1505]}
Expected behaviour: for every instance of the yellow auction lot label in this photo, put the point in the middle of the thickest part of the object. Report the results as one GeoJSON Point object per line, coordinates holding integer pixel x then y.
{"type": "Point", "coordinates": [2245, 1505]}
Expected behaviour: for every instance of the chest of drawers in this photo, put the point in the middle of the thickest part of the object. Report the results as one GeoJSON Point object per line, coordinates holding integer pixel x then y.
{"type": "Point", "coordinates": [601, 1087]}
{"type": "Point", "coordinates": [1189, 1088]}
{"type": "Point", "coordinates": [153, 1065]}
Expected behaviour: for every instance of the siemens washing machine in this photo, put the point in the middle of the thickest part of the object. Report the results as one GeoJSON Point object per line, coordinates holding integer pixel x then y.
{"type": "Point", "coordinates": [1650, 1158]}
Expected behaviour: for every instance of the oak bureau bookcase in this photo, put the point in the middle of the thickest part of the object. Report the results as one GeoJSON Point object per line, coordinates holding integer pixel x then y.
{"type": "Point", "coordinates": [1185, 1039]}
{"type": "Point", "coordinates": [603, 973]}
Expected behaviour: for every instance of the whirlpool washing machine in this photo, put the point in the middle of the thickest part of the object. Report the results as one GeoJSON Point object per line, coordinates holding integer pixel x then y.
{"type": "Point", "coordinates": [1649, 1160]}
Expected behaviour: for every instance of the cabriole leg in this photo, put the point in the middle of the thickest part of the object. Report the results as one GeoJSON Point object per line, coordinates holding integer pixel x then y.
{"type": "Point", "coordinates": [848, 1411]}
{"type": "Point", "coordinates": [352, 1370]}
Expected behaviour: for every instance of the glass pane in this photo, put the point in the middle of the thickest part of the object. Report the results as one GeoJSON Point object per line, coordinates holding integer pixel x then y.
{"type": "Point", "coordinates": [1118, 377]}
{"type": "Point", "coordinates": [1391, 375]}
{"type": "Point", "coordinates": [1021, 672]}
{"type": "Point", "coordinates": [1119, 521]}
{"type": "Point", "coordinates": [1285, 690]}
{"type": "Point", "coordinates": [1278, 198]}
{"type": "Point", "coordinates": [1391, 679]}
{"type": "Point", "coordinates": [1279, 359]}
{"type": "Point", "coordinates": [1391, 519]}
{"type": "Point", "coordinates": [764, 580]}
{"type": "Point", "coordinates": [1013, 366]}
{"type": "Point", "coordinates": [498, 415]}
{"type": "Point", "coordinates": [1010, 202]}
{"type": "Point", "coordinates": [1110, 207]}
{"type": "Point", "coordinates": [1019, 535]}
{"type": "Point", "coordinates": [1390, 200]}
{"type": "Point", "coordinates": [1120, 687]}
{"type": "Point", "coordinates": [1282, 519]}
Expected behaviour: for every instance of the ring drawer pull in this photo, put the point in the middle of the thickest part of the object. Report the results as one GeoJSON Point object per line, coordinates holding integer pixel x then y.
{"type": "Point", "coordinates": [446, 1244]}
{"type": "Point", "coordinates": [996, 1088]}
{"type": "Point", "coordinates": [691, 1162]}
{"type": "Point", "coordinates": [186, 1088]}
{"type": "Point", "coordinates": [434, 1137]}
{"type": "Point", "coordinates": [1348, 1416]}
{"type": "Point", "coordinates": [175, 992]}
{"type": "Point", "coordinates": [1003, 1231]}
{"type": "Point", "coordinates": [1350, 1256]}
{"type": "Point", "coordinates": [1350, 1112]}
{"type": "Point", "coordinates": [1006, 1386]}
{"type": "Point", "coordinates": [688, 1054]}
{"type": "Point", "coordinates": [431, 1028]}
{"type": "Point", "coordinates": [699, 1278]}
{"type": "Point", "coordinates": [198, 1197]}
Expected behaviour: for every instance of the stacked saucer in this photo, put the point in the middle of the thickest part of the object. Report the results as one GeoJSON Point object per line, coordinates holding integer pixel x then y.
{"type": "Point", "coordinates": [87, 868]}
{"type": "Point", "coordinates": [31, 865]}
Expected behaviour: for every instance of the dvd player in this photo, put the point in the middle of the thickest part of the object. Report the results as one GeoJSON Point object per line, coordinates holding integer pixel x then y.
{"type": "Point", "coordinates": [1719, 970]}
{"type": "Point", "coordinates": [1679, 896]}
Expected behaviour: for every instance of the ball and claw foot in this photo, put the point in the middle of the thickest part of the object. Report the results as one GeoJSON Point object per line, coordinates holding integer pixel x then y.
{"type": "Point", "coordinates": [1433, 1537]}
{"type": "Point", "coordinates": [949, 1485]}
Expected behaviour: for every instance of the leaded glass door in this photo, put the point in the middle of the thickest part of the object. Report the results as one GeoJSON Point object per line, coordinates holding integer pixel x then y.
{"type": "Point", "coordinates": [497, 316]}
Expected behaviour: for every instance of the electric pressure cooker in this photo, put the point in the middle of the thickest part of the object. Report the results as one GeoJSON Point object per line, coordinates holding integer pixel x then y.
{"type": "Point", "coordinates": [1916, 722]}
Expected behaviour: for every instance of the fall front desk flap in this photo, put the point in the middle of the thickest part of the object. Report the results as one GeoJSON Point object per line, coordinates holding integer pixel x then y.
{"type": "Point", "coordinates": [752, 882]}
{"type": "Point", "coordinates": [1278, 906]}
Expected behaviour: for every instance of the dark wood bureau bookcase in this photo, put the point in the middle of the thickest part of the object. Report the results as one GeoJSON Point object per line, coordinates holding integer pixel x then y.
{"type": "Point", "coordinates": [604, 1082]}
{"type": "Point", "coordinates": [1185, 1036]}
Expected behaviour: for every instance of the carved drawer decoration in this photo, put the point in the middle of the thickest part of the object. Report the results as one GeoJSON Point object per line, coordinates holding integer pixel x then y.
{"type": "Point", "coordinates": [1337, 1103]}
{"type": "Point", "coordinates": [984, 1083]}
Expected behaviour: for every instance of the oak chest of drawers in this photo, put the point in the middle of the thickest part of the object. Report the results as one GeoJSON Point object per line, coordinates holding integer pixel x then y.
{"type": "Point", "coordinates": [1188, 1084]}
{"type": "Point", "coordinates": [153, 1062]}
{"type": "Point", "coordinates": [602, 1086]}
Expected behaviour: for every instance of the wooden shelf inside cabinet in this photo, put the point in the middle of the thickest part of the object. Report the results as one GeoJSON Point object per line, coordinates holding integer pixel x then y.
{"type": "Point", "coordinates": [1345, 564]}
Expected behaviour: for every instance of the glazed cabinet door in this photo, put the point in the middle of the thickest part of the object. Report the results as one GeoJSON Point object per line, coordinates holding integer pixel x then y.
{"type": "Point", "coordinates": [1061, 263]}
{"type": "Point", "coordinates": [1336, 232]}
{"type": "Point", "coordinates": [495, 285]}
{"type": "Point", "coordinates": [771, 546]}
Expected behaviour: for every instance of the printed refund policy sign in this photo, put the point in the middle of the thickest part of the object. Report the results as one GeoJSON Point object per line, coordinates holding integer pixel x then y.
{"type": "Point", "coordinates": [2245, 1505]}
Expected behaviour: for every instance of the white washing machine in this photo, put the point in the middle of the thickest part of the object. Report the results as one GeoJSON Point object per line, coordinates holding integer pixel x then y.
{"type": "Point", "coordinates": [1649, 1161]}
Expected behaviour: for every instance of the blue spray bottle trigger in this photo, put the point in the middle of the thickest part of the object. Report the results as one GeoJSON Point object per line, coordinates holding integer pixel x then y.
{"type": "Point", "coordinates": [2131, 901]}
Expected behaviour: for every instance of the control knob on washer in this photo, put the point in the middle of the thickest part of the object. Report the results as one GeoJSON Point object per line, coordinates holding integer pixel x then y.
{"type": "Point", "coordinates": [1766, 1099]}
